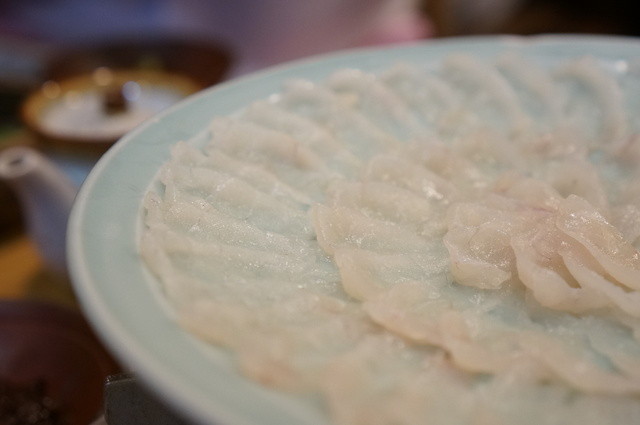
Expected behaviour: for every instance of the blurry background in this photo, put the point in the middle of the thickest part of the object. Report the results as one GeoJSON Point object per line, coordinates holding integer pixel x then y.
{"type": "Point", "coordinates": [259, 33]}
{"type": "Point", "coordinates": [468, 17]}
{"type": "Point", "coordinates": [206, 40]}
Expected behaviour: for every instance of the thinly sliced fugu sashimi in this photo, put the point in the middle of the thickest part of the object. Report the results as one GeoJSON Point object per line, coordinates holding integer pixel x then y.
{"type": "Point", "coordinates": [195, 223]}
{"type": "Point", "coordinates": [479, 239]}
{"type": "Point", "coordinates": [489, 338]}
{"type": "Point", "coordinates": [431, 98]}
{"type": "Point", "coordinates": [518, 400]}
{"type": "Point", "coordinates": [591, 276]}
{"type": "Point", "coordinates": [287, 344]}
{"type": "Point", "coordinates": [586, 225]}
{"type": "Point", "coordinates": [345, 227]}
{"type": "Point", "coordinates": [537, 149]}
{"type": "Point", "coordinates": [577, 177]}
{"type": "Point", "coordinates": [312, 135]}
{"type": "Point", "coordinates": [448, 164]}
{"type": "Point", "coordinates": [594, 102]}
{"type": "Point", "coordinates": [277, 152]}
{"type": "Point", "coordinates": [573, 367]}
{"type": "Point", "coordinates": [411, 309]}
{"type": "Point", "coordinates": [480, 334]}
{"type": "Point", "coordinates": [258, 144]}
{"type": "Point", "coordinates": [391, 203]}
{"type": "Point", "coordinates": [369, 376]}
{"type": "Point", "coordinates": [477, 339]}
{"type": "Point", "coordinates": [203, 180]}
{"type": "Point", "coordinates": [377, 102]}
{"type": "Point", "coordinates": [628, 77]}
{"type": "Point", "coordinates": [183, 285]}
{"type": "Point", "coordinates": [235, 198]}
{"type": "Point", "coordinates": [535, 89]}
{"type": "Point", "coordinates": [529, 192]}
{"type": "Point", "coordinates": [202, 222]}
{"type": "Point", "coordinates": [487, 346]}
{"type": "Point", "coordinates": [541, 270]}
{"type": "Point", "coordinates": [491, 152]}
{"type": "Point", "coordinates": [254, 175]}
{"type": "Point", "coordinates": [359, 135]}
{"type": "Point", "coordinates": [404, 173]}
{"type": "Point", "coordinates": [363, 388]}
{"type": "Point", "coordinates": [620, 175]}
{"type": "Point", "coordinates": [365, 273]}
{"type": "Point", "coordinates": [626, 218]}
{"type": "Point", "coordinates": [470, 265]}
{"type": "Point", "coordinates": [233, 264]}
{"type": "Point", "coordinates": [486, 94]}
{"type": "Point", "coordinates": [616, 343]}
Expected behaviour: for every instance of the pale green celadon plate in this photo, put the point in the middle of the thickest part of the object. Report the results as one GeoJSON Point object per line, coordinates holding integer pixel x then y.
{"type": "Point", "coordinates": [121, 298]}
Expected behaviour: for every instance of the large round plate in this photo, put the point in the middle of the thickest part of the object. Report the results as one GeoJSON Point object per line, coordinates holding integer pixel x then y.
{"type": "Point", "coordinates": [121, 298]}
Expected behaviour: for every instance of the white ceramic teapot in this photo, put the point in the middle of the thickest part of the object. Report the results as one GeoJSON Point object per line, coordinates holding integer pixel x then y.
{"type": "Point", "coordinates": [46, 194]}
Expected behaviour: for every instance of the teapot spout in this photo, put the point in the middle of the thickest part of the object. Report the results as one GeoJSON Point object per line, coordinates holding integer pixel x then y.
{"type": "Point", "coordinates": [46, 196]}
